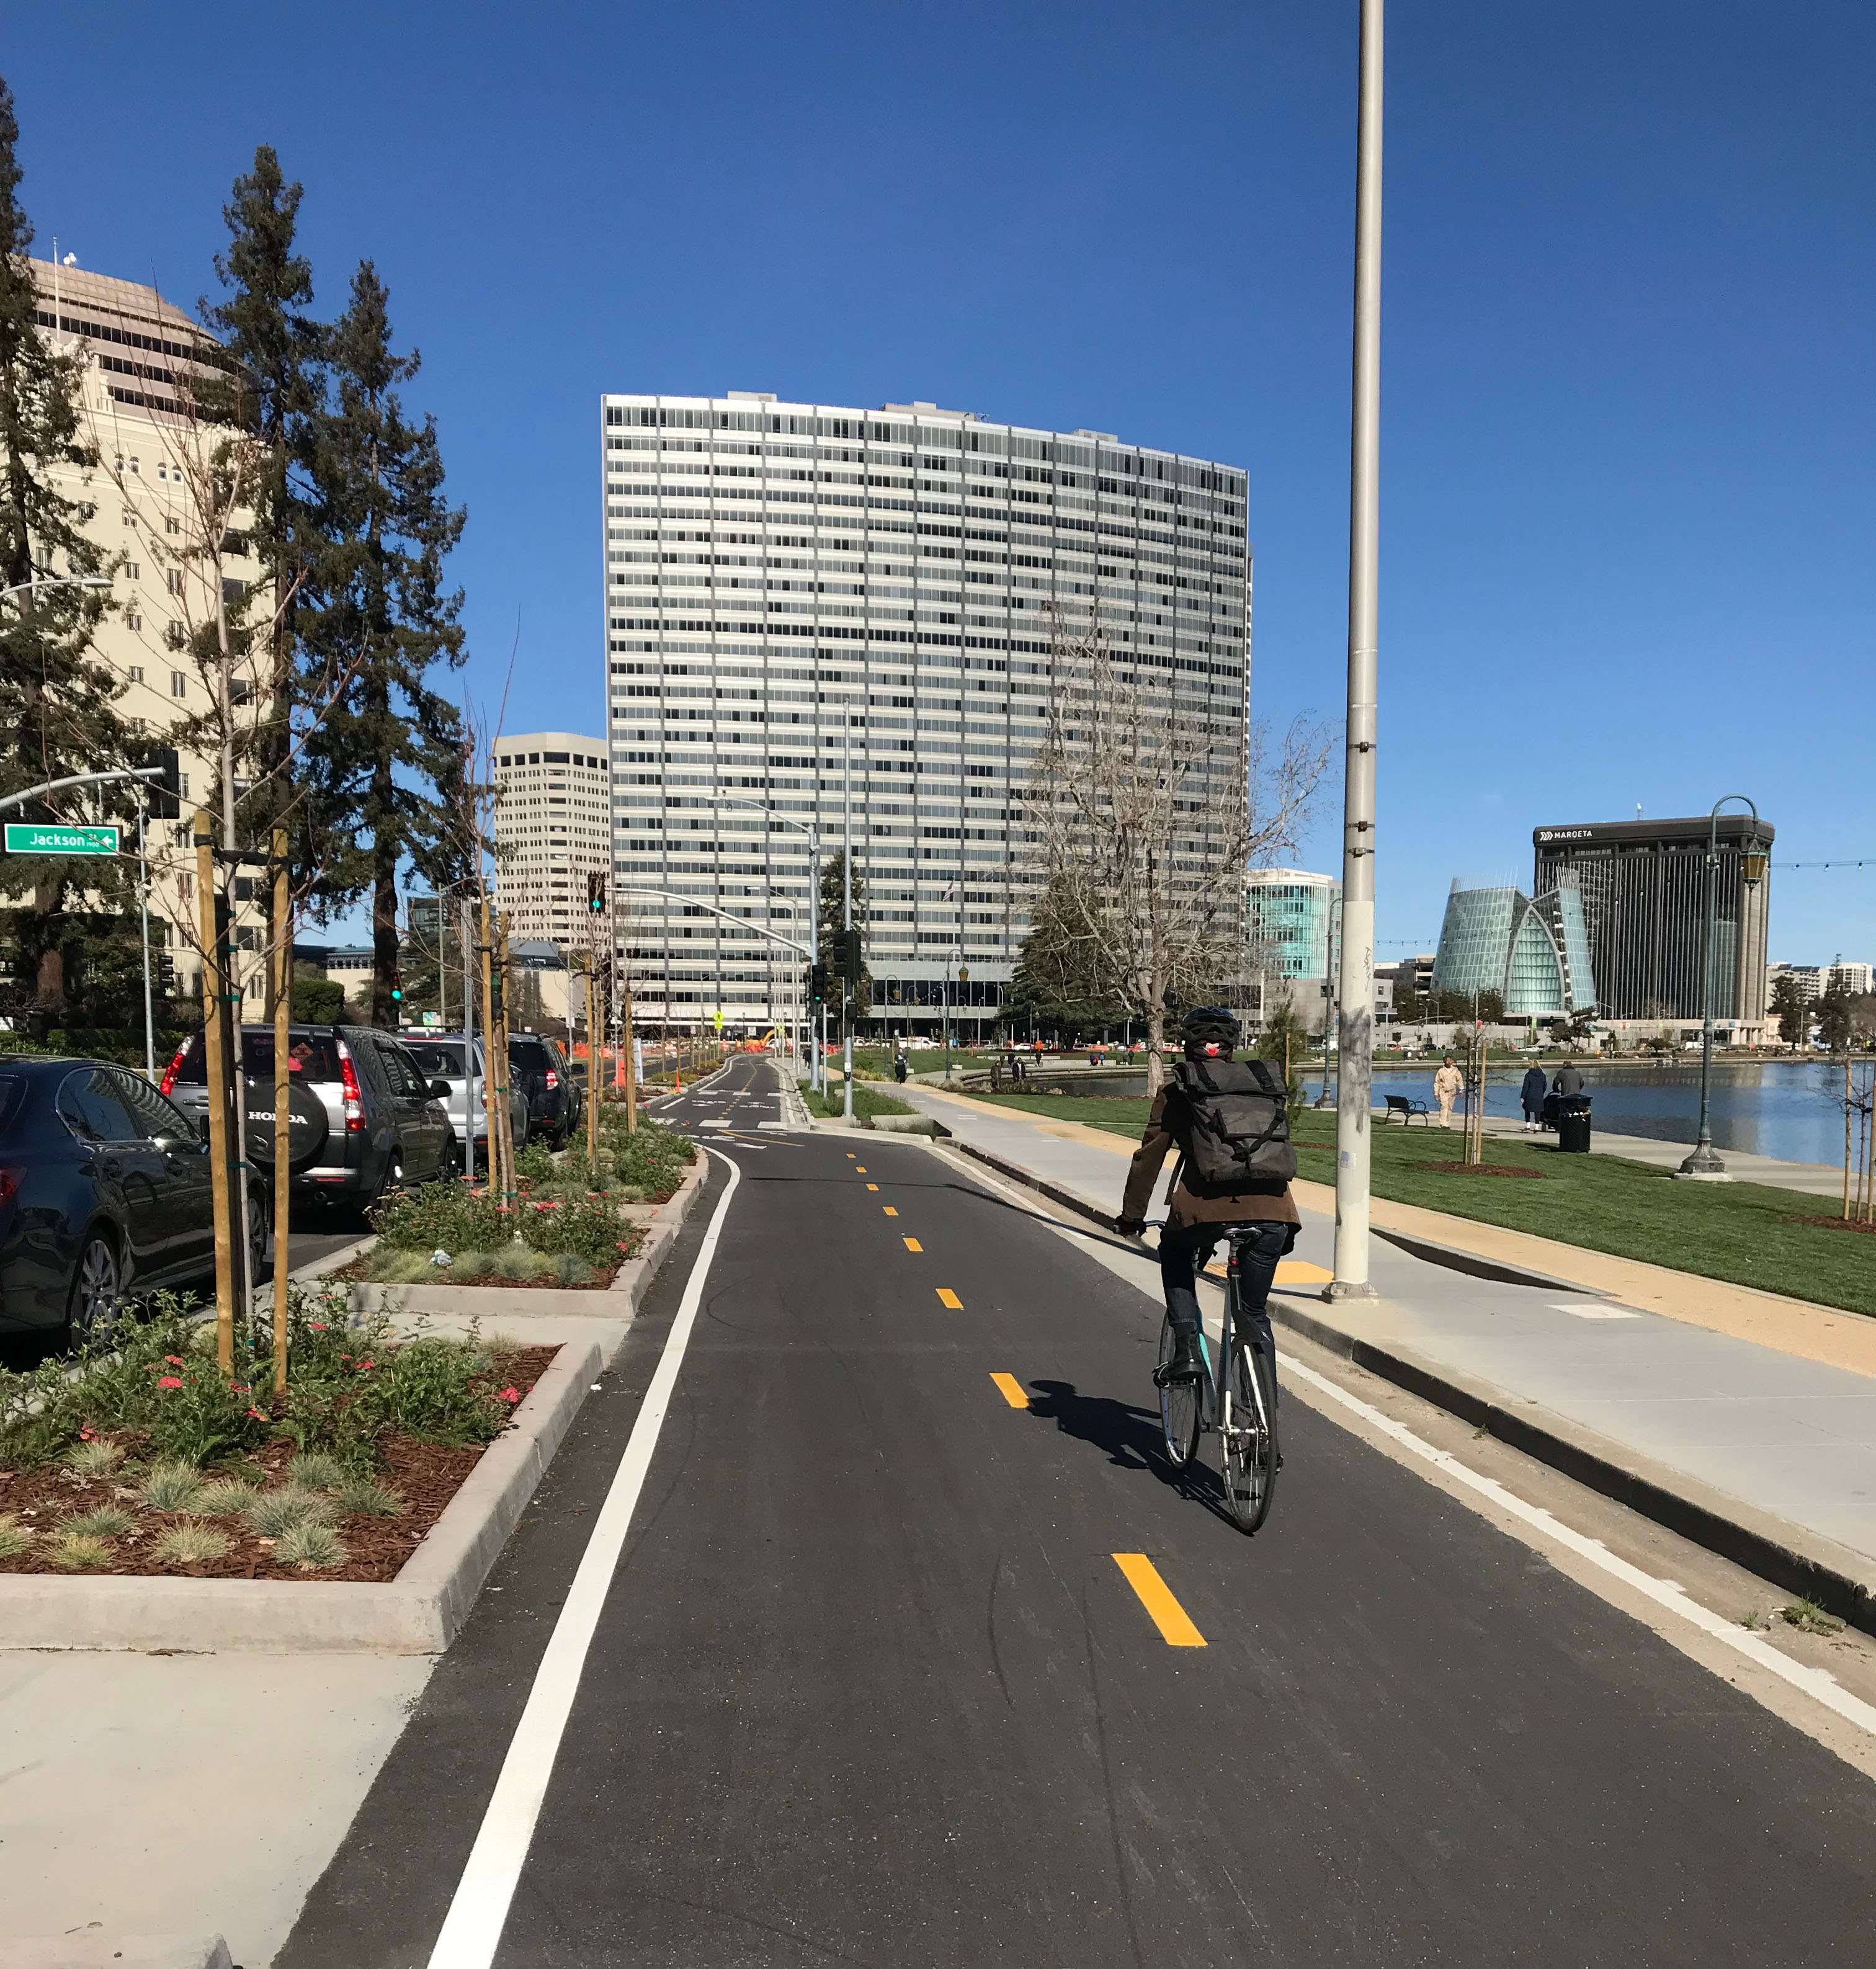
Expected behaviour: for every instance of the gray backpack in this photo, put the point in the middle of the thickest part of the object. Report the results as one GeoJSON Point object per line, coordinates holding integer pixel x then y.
{"type": "Point", "coordinates": [1232, 1121]}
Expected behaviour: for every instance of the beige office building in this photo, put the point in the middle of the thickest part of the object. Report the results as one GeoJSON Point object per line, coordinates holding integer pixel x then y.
{"type": "Point", "coordinates": [553, 826]}
{"type": "Point", "coordinates": [136, 347]}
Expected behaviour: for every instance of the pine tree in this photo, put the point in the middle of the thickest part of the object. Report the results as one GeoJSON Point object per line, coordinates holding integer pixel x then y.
{"type": "Point", "coordinates": [1061, 981]}
{"type": "Point", "coordinates": [277, 347]}
{"type": "Point", "coordinates": [56, 703]}
{"type": "Point", "coordinates": [833, 915]}
{"type": "Point", "coordinates": [385, 762]}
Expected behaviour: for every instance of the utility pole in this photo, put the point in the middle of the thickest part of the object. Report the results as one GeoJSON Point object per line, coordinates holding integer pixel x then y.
{"type": "Point", "coordinates": [1354, 1133]}
{"type": "Point", "coordinates": [846, 924]}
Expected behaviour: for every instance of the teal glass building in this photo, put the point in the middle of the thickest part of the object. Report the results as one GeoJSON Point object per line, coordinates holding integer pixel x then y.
{"type": "Point", "coordinates": [1533, 952]}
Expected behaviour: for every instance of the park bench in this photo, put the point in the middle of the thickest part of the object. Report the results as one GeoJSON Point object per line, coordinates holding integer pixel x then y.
{"type": "Point", "coordinates": [1401, 1105]}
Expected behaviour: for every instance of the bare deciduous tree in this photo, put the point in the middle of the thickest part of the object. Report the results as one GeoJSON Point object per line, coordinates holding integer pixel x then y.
{"type": "Point", "coordinates": [1143, 811]}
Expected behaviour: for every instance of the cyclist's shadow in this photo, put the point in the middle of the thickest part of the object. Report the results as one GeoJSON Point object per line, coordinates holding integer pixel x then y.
{"type": "Point", "coordinates": [1132, 1437]}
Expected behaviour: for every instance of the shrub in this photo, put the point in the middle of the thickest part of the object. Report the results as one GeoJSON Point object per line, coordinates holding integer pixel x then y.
{"type": "Point", "coordinates": [221, 1499]}
{"type": "Point", "coordinates": [78, 1551]}
{"type": "Point", "coordinates": [358, 1496]}
{"type": "Point", "coordinates": [103, 1521]}
{"type": "Point", "coordinates": [437, 1391]}
{"type": "Point", "coordinates": [311, 1545]}
{"type": "Point", "coordinates": [588, 1227]}
{"type": "Point", "coordinates": [441, 1216]}
{"type": "Point", "coordinates": [535, 1165]}
{"type": "Point", "coordinates": [191, 1545]}
{"type": "Point", "coordinates": [15, 1538]}
{"type": "Point", "coordinates": [571, 1269]}
{"type": "Point", "coordinates": [653, 1159]}
{"type": "Point", "coordinates": [313, 1470]}
{"type": "Point", "coordinates": [97, 1457]}
{"type": "Point", "coordinates": [173, 1486]}
{"type": "Point", "coordinates": [273, 1513]}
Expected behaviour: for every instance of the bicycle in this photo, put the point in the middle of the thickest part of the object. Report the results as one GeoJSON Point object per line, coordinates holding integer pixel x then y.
{"type": "Point", "coordinates": [1243, 1408]}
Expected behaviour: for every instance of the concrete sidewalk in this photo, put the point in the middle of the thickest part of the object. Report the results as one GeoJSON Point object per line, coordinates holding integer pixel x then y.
{"type": "Point", "coordinates": [1789, 1433]}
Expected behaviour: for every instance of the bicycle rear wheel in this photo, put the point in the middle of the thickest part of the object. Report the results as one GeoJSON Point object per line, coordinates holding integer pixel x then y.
{"type": "Point", "coordinates": [1179, 1406]}
{"type": "Point", "coordinates": [1249, 1446]}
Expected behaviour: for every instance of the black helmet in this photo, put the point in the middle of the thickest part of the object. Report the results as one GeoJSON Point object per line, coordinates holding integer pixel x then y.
{"type": "Point", "coordinates": [1210, 1032]}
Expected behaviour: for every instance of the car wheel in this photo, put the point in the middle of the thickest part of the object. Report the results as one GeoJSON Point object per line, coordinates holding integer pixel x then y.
{"type": "Point", "coordinates": [257, 1240]}
{"type": "Point", "coordinates": [97, 1291]}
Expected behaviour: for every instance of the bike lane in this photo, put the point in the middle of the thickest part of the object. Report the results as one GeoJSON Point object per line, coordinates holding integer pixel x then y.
{"type": "Point", "coordinates": [870, 1685]}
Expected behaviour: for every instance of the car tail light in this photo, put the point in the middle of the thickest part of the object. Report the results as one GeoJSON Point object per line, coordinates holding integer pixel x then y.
{"type": "Point", "coordinates": [354, 1094]}
{"type": "Point", "coordinates": [174, 1068]}
{"type": "Point", "coordinates": [9, 1184]}
{"type": "Point", "coordinates": [554, 1080]}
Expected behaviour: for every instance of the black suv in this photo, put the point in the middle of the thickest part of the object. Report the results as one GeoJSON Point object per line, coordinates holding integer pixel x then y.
{"type": "Point", "coordinates": [538, 1067]}
{"type": "Point", "coordinates": [364, 1117]}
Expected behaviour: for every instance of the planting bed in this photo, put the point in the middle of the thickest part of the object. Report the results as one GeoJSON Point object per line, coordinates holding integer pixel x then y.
{"type": "Point", "coordinates": [422, 1477]}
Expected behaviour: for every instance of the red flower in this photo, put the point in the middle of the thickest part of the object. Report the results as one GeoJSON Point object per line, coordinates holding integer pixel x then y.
{"type": "Point", "coordinates": [509, 1395]}
{"type": "Point", "coordinates": [169, 1381]}
{"type": "Point", "coordinates": [317, 1328]}
{"type": "Point", "coordinates": [86, 1433]}
{"type": "Point", "coordinates": [365, 1367]}
{"type": "Point", "coordinates": [257, 1414]}
{"type": "Point", "coordinates": [174, 1360]}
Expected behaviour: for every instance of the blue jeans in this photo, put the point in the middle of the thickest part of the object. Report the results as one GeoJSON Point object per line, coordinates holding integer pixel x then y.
{"type": "Point", "coordinates": [1185, 1249]}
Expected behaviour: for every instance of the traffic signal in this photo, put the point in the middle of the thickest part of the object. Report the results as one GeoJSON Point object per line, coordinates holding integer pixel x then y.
{"type": "Point", "coordinates": [166, 794]}
{"type": "Point", "coordinates": [596, 890]}
{"type": "Point", "coordinates": [848, 949]}
{"type": "Point", "coordinates": [817, 983]}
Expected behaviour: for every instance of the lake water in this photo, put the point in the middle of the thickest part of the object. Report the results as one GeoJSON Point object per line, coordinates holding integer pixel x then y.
{"type": "Point", "coordinates": [1791, 1109]}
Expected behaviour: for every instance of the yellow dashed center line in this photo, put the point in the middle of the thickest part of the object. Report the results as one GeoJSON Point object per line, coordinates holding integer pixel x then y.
{"type": "Point", "coordinates": [1174, 1623]}
{"type": "Point", "coordinates": [872, 1185]}
{"type": "Point", "coordinates": [889, 1210]}
{"type": "Point", "coordinates": [859, 1169]}
{"type": "Point", "coordinates": [850, 1157]}
{"type": "Point", "coordinates": [947, 1297]}
{"type": "Point", "coordinates": [1011, 1390]}
{"type": "Point", "coordinates": [912, 1244]}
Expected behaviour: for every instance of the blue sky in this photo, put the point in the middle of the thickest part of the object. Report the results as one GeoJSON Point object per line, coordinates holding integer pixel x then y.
{"type": "Point", "coordinates": [1627, 467]}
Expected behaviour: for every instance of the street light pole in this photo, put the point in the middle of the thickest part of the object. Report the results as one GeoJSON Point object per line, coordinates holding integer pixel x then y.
{"type": "Point", "coordinates": [846, 924]}
{"type": "Point", "coordinates": [1354, 1064]}
{"type": "Point", "coordinates": [1703, 1165]}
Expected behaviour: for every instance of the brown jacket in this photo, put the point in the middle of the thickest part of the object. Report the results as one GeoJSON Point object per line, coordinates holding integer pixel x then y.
{"type": "Point", "coordinates": [1270, 1205]}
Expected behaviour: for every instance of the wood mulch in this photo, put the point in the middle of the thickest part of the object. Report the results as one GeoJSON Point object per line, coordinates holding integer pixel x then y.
{"type": "Point", "coordinates": [359, 1272]}
{"type": "Point", "coordinates": [1834, 1224]}
{"type": "Point", "coordinates": [1487, 1169]}
{"type": "Point", "coordinates": [425, 1475]}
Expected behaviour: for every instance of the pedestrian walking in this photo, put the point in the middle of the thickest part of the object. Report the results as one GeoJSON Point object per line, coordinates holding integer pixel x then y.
{"type": "Point", "coordinates": [1532, 1094]}
{"type": "Point", "coordinates": [899, 1064]}
{"type": "Point", "coordinates": [1569, 1083]}
{"type": "Point", "coordinates": [1449, 1085]}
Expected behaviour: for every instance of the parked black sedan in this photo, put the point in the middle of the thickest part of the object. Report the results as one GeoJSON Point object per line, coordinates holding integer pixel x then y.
{"type": "Point", "coordinates": [104, 1193]}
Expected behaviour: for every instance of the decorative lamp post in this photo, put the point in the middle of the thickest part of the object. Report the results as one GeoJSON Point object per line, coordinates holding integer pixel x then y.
{"type": "Point", "coordinates": [1703, 1165]}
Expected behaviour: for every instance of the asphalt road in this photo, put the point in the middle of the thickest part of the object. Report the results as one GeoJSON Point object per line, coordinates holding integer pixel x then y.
{"type": "Point", "coordinates": [869, 1686]}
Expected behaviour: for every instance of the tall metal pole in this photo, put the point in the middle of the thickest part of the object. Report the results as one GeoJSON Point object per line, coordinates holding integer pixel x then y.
{"type": "Point", "coordinates": [846, 923]}
{"type": "Point", "coordinates": [143, 906]}
{"type": "Point", "coordinates": [1355, 1068]}
{"type": "Point", "coordinates": [1703, 1165]}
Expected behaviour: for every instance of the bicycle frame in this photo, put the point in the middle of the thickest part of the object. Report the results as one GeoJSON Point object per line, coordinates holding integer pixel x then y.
{"type": "Point", "coordinates": [1215, 1389]}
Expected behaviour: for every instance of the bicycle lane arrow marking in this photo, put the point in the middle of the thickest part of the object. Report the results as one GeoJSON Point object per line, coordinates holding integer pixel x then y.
{"type": "Point", "coordinates": [472, 1930]}
{"type": "Point", "coordinates": [1172, 1620]}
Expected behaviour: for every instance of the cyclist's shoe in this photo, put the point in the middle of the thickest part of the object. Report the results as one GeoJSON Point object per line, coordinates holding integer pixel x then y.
{"type": "Point", "coordinates": [1184, 1366]}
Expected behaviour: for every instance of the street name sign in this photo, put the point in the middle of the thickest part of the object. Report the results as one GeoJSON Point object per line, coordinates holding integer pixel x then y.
{"type": "Point", "coordinates": [35, 837]}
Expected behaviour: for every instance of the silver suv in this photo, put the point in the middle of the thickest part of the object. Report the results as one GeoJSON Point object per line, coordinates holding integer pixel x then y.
{"type": "Point", "coordinates": [440, 1054]}
{"type": "Point", "coordinates": [363, 1118]}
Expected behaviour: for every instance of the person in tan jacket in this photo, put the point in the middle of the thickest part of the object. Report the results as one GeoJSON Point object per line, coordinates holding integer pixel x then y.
{"type": "Point", "coordinates": [1449, 1085]}
{"type": "Point", "coordinates": [1196, 1220]}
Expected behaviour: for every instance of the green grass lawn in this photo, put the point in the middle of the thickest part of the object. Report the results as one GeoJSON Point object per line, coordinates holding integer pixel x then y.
{"type": "Point", "coordinates": [866, 1100]}
{"type": "Point", "coordinates": [1741, 1231]}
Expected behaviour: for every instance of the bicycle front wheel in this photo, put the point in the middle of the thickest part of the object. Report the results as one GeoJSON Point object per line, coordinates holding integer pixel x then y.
{"type": "Point", "coordinates": [1178, 1407]}
{"type": "Point", "coordinates": [1249, 1445]}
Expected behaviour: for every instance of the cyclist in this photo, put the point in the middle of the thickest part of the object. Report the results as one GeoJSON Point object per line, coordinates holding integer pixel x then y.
{"type": "Point", "coordinates": [1197, 1215]}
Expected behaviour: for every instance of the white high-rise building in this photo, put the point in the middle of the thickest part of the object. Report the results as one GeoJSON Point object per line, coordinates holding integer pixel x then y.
{"type": "Point", "coordinates": [804, 601]}
{"type": "Point", "coordinates": [553, 827]}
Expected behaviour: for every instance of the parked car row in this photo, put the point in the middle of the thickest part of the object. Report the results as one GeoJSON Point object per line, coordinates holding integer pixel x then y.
{"type": "Point", "coordinates": [105, 1186]}
{"type": "Point", "coordinates": [105, 1190]}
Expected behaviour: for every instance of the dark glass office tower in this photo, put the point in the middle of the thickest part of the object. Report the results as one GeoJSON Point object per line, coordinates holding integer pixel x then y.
{"type": "Point", "coordinates": [1643, 888]}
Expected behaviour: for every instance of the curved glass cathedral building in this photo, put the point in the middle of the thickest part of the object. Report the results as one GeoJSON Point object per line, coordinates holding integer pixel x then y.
{"type": "Point", "coordinates": [810, 608]}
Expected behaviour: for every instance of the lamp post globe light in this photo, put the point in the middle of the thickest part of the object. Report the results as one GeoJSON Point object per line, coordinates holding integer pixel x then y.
{"type": "Point", "coordinates": [1703, 1165]}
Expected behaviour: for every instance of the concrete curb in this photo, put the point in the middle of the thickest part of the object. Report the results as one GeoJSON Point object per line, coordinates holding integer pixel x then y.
{"type": "Point", "coordinates": [1802, 1562]}
{"type": "Point", "coordinates": [634, 1278]}
{"type": "Point", "coordinates": [909, 1125]}
{"type": "Point", "coordinates": [96, 1948]}
{"type": "Point", "coordinates": [420, 1612]}
{"type": "Point", "coordinates": [1499, 1271]}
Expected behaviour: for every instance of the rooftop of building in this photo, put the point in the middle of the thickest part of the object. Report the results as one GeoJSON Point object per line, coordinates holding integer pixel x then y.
{"type": "Point", "coordinates": [80, 291]}
{"type": "Point", "coordinates": [1733, 824]}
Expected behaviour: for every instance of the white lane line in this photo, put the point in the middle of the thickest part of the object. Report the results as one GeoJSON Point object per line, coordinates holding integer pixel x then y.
{"type": "Point", "coordinates": [472, 1930]}
{"type": "Point", "coordinates": [1578, 1311]}
{"type": "Point", "coordinates": [1817, 1683]}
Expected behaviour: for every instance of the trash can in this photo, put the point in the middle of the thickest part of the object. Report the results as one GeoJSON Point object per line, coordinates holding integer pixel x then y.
{"type": "Point", "coordinates": [1573, 1126]}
